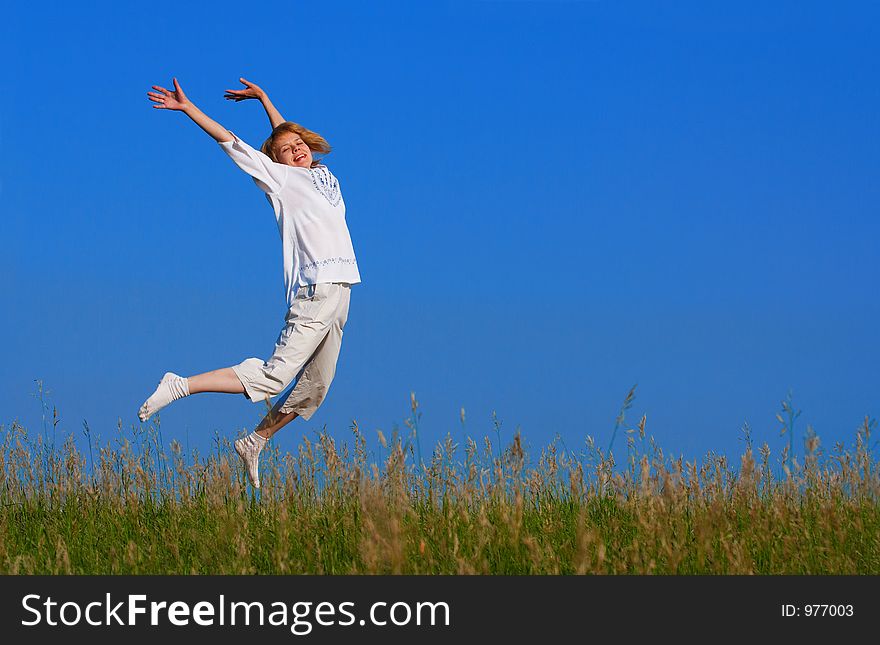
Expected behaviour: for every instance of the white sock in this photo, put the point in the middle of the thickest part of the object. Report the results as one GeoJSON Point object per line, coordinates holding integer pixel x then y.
{"type": "Point", "coordinates": [248, 448]}
{"type": "Point", "coordinates": [171, 388]}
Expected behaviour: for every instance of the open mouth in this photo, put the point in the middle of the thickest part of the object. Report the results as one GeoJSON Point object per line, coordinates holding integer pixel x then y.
{"type": "Point", "coordinates": [299, 158]}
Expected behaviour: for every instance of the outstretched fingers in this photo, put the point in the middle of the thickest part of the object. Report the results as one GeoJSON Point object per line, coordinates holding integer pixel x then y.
{"type": "Point", "coordinates": [157, 99]}
{"type": "Point", "coordinates": [251, 91]}
{"type": "Point", "coordinates": [168, 99]}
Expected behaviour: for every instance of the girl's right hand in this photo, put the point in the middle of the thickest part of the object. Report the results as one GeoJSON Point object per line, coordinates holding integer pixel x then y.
{"type": "Point", "coordinates": [252, 91]}
{"type": "Point", "coordinates": [168, 100]}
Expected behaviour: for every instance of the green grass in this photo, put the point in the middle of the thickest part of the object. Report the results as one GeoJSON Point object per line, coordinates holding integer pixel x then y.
{"type": "Point", "coordinates": [131, 507]}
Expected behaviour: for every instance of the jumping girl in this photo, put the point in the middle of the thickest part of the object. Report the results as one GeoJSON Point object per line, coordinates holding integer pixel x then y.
{"type": "Point", "coordinates": [319, 269]}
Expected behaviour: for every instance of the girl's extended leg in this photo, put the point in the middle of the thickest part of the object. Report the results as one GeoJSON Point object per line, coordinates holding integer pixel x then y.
{"type": "Point", "coordinates": [222, 380]}
{"type": "Point", "coordinates": [173, 387]}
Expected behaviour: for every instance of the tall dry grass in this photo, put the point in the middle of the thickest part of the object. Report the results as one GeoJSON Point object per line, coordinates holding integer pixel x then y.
{"type": "Point", "coordinates": [131, 505]}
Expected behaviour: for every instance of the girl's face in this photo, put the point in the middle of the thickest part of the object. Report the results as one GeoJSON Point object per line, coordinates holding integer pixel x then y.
{"type": "Point", "coordinates": [291, 150]}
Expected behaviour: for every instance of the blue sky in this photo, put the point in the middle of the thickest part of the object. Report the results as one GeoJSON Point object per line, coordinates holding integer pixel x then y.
{"type": "Point", "coordinates": [550, 202]}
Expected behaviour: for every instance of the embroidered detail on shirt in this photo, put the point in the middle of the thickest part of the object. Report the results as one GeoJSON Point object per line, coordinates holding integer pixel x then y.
{"type": "Point", "coordinates": [317, 264]}
{"type": "Point", "coordinates": [326, 184]}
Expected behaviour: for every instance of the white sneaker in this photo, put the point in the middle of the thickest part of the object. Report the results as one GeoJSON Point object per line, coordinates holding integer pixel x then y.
{"type": "Point", "coordinates": [248, 448]}
{"type": "Point", "coordinates": [170, 388]}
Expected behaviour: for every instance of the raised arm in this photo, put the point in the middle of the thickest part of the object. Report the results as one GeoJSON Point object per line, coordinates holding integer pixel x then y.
{"type": "Point", "coordinates": [254, 91]}
{"type": "Point", "coordinates": [167, 100]}
{"type": "Point", "coordinates": [269, 176]}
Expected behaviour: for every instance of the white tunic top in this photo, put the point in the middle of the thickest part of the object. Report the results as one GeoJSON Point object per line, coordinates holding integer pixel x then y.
{"type": "Point", "coordinates": [316, 245]}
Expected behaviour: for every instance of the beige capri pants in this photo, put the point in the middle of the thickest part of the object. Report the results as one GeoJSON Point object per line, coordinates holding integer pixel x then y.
{"type": "Point", "coordinates": [307, 347]}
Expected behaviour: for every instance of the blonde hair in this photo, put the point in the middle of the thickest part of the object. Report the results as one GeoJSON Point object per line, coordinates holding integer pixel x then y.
{"type": "Point", "coordinates": [313, 140]}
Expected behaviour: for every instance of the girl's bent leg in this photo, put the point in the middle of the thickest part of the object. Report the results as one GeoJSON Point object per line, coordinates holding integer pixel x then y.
{"type": "Point", "coordinates": [312, 386]}
{"type": "Point", "coordinates": [274, 421]}
{"type": "Point", "coordinates": [222, 380]}
{"type": "Point", "coordinates": [249, 447]}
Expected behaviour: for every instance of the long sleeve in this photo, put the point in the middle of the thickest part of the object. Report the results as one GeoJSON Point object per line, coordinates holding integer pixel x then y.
{"type": "Point", "coordinates": [268, 175]}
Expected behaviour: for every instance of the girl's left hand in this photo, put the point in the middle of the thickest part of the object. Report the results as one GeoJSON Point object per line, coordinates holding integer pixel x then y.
{"type": "Point", "coordinates": [252, 91]}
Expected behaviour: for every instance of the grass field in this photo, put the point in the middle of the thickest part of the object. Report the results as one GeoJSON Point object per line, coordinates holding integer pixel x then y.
{"type": "Point", "coordinates": [129, 506]}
